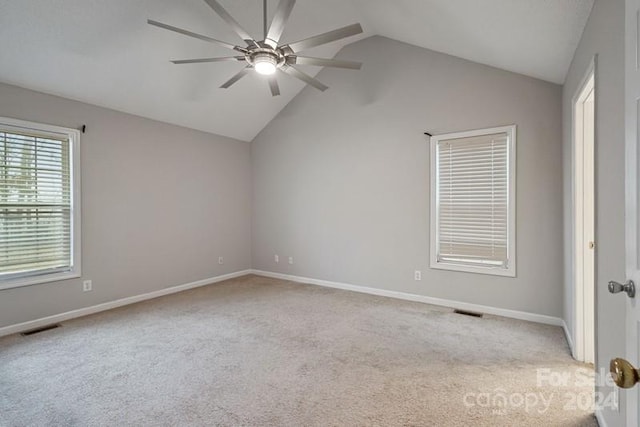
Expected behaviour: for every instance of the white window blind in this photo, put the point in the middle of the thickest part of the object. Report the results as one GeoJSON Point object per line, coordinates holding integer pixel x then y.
{"type": "Point", "coordinates": [36, 206]}
{"type": "Point", "coordinates": [472, 189]}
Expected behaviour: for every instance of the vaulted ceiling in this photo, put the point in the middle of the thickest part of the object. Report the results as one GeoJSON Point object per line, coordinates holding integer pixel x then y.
{"type": "Point", "coordinates": [102, 51]}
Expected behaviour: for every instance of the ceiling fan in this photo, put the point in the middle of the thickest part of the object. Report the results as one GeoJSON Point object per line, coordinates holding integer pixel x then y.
{"type": "Point", "coordinates": [268, 56]}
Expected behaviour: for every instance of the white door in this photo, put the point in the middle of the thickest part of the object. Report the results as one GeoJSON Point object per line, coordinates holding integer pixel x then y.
{"type": "Point", "coordinates": [624, 372]}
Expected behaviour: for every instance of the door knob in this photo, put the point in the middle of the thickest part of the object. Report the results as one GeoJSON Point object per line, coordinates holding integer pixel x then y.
{"type": "Point", "coordinates": [623, 373]}
{"type": "Point", "coordinates": [628, 287]}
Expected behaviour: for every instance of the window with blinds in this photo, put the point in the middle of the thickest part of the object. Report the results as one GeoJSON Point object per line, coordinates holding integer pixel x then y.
{"type": "Point", "coordinates": [37, 224]}
{"type": "Point", "coordinates": [473, 182]}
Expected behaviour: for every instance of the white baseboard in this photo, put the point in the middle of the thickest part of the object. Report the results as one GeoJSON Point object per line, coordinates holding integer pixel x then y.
{"type": "Point", "coordinates": [522, 315]}
{"type": "Point", "coordinates": [38, 323]}
{"type": "Point", "coordinates": [532, 317]}
{"type": "Point", "coordinates": [567, 335]}
{"type": "Point", "coordinates": [600, 419]}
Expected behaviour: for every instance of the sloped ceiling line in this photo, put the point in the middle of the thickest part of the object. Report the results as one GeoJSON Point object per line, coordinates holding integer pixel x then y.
{"type": "Point", "coordinates": [104, 53]}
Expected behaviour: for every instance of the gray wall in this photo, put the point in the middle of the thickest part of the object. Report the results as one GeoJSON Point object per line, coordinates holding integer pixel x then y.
{"type": "Point", "coordinates": [341, 179]}
{"type": "Point", "coordinates": [160, 203]}
{"type": "Point", "coordinates": [604, 36]}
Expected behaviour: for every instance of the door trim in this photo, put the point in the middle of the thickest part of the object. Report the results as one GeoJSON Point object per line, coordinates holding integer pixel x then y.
{"type": "Point", "coordinates": [584, 313]}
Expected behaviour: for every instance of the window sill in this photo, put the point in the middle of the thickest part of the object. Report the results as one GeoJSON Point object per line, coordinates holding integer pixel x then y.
{"type": "Point", "coordinates": [37, 280]}
{"type": "Point", "coordinates": [492, 271]}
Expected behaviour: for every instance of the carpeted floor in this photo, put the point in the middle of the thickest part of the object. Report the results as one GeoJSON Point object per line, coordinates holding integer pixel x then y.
{"type": "Point", "coordinates": [262, 352]}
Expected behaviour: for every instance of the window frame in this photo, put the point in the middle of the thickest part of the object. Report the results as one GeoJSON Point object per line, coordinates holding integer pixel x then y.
{"type": "Point", "coordinates": [510, 270]}
{"type": "Point", "coordinates": [75, 270]}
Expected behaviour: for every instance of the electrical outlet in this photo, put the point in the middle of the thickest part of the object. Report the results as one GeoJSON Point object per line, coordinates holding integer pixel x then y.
{"type": "Point", "coordinates": [291, 260]}
{"type": "Point", "coordinates": [417, 275]}
{"type": "Point", "coordinates": [276, 258]}
{"type": "Point", "coordinates": [87, 286]}
{"type": "Point", "coordinates": [220, 260]}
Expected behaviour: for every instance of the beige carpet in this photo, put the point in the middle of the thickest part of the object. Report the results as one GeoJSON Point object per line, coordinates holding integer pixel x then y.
{"type": "Point", "coordinates": [263, 352]}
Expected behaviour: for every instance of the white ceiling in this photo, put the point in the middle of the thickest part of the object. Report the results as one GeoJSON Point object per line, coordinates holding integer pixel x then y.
{"type": "Point", "coordinates": [103, 52]}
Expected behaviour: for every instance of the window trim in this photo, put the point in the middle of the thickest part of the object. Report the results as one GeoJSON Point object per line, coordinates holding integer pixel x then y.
{"type": "Point", "coordinates": [75, 271]}
{"type": "Point", "coordinates": [510, 271]}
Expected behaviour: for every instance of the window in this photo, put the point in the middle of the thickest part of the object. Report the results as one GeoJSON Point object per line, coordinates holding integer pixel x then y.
{"type": "Point", "coordinates": [39, 203]}
{"type": "Point", "coordinates": [473, 201]}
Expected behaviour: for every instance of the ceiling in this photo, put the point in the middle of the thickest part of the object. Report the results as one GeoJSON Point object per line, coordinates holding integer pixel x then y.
{"type": "Point", "coordinates": [102, 51]}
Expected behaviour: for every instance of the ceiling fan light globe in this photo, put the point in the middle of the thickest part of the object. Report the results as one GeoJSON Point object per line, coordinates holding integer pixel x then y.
{"type": "Point", "coordinates": [265, 67]}
{"type": "Point", "coordinates": [265, 63]}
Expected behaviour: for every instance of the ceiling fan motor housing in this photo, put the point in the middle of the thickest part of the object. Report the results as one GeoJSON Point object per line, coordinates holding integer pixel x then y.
{"type": "Point", "coordinates": [265, 54]}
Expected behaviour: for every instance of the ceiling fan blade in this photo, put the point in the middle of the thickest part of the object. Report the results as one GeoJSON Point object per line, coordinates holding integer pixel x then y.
{"type": "Point", "coordinates": [236, 77]}
{"type": "Point", "coordinates": [235, 26]}
{"type": "Point", "coordinates": [292, 71]}
{"type": "Point", "coordinates": [273, 85]}
{"type": "Point", "coordinates": [323, 62]}
{"type": "Point", "coordinates": [195, 35]}
{"type": "Point", "coordinates": [279, 22]}
{"type": "Point", "coordinates": [203, 60]}
{"type": "Point", "coordinates": [340, 33]}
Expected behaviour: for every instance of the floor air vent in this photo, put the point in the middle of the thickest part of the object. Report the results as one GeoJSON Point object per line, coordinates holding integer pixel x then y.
{"type": "Point", "coordinates": [38, 330]}
{"type": "Point", "coordinates": [468, 313]}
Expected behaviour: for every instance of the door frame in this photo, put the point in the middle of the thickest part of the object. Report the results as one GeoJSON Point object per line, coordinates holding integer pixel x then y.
{"type": "Point", "coordinates": [584, 295]}
{"type": "Point", "coordinates": [632, 195]}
